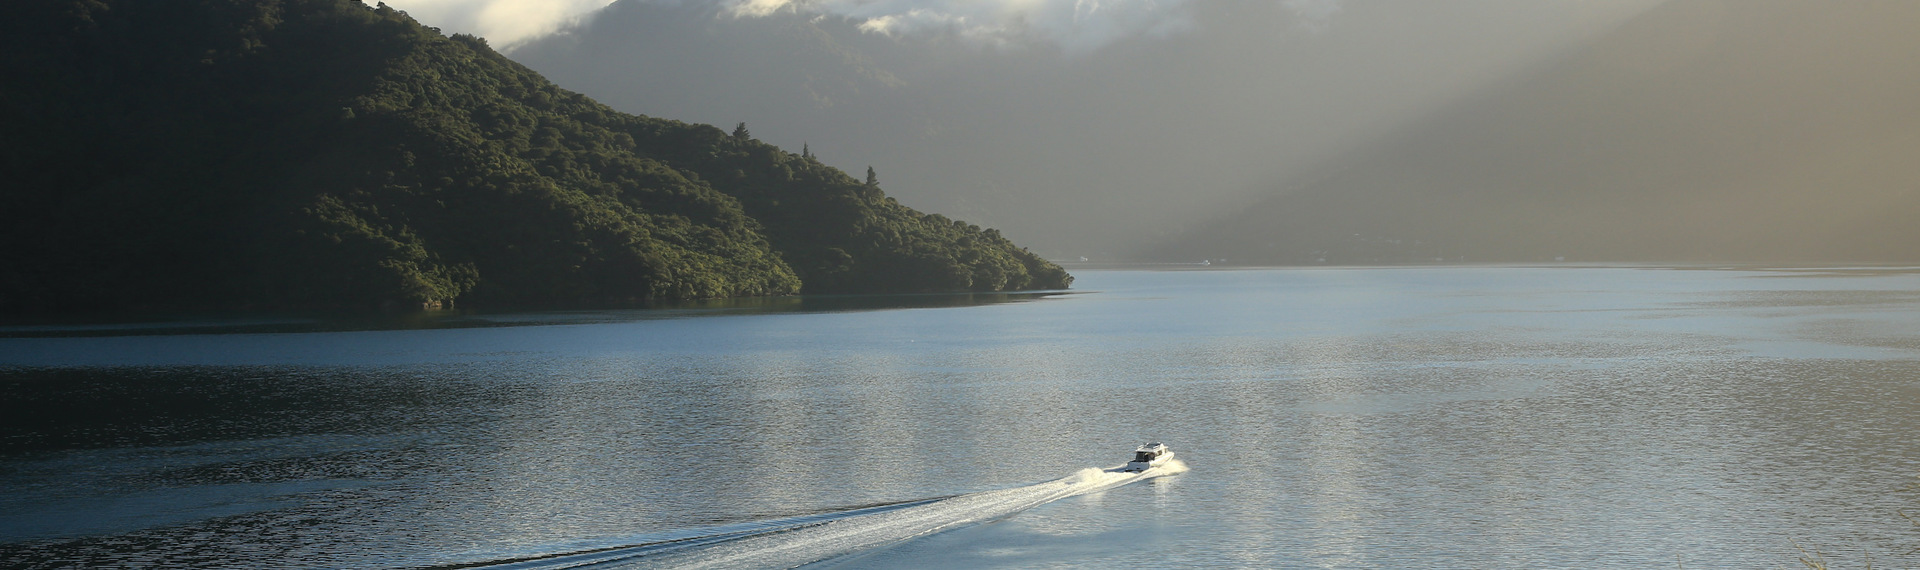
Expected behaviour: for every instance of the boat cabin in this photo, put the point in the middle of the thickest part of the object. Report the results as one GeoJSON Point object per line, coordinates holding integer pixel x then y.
{"type": "Point", "coordinates": [1149, 452]}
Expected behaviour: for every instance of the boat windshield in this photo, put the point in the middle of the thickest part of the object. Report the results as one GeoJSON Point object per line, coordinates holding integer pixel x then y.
{"type": "Point", "coordinates": [1143, 456]}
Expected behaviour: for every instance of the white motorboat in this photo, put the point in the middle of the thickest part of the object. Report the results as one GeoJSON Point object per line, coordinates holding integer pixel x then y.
{"type": "Point", "coordinates": [1149, 456]}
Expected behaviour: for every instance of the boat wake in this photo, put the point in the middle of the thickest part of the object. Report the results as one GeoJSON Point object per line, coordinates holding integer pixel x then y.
{"type": "Point", "coordinates": [797, 541]}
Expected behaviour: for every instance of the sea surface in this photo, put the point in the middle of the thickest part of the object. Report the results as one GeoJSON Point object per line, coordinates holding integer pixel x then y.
{"type": "Point", "coordinates": [1430, 417]}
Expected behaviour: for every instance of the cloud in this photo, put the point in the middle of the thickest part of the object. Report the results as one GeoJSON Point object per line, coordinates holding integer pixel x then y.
{"type": "Point", "coordinates": [502, 22]}
{"type": "Point", "coordinates": [1313, 14]}
{"type": "Point", "coordinates": [1076, 26]}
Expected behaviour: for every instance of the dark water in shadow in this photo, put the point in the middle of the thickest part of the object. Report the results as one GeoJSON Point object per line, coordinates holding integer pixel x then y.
{"type": "Point", "coordinates": [1429, 417]}
{"type": "Point", "coordinates": [163, 324]}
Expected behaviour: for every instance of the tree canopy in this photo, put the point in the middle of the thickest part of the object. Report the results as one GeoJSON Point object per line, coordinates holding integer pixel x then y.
{"type": "Point", "coordinates": [269, 154]}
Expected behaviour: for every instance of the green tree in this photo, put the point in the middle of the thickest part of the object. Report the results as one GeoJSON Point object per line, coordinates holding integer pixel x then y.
{"type": "Point", "coordinates": [323, 154]}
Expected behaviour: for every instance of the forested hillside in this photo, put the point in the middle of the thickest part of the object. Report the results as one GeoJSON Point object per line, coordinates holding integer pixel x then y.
{"type": "Point", "coordinates": [321, 154]}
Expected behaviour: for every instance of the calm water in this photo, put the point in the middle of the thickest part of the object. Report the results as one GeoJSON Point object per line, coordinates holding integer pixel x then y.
{"type": "Point", "coordinates": [1365, 418]}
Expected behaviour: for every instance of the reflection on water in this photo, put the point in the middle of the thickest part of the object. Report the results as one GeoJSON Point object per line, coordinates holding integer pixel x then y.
{"type": "Point", "coordinates": [1436, 417]}
{"type": "Point", "coordinates": [141, 324]}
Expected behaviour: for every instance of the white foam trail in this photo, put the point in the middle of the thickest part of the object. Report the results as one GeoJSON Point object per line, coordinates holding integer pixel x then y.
{"type": "Point", "coordinates": [840, 537]}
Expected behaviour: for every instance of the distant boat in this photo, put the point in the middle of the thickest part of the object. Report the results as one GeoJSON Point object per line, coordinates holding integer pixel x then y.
{"type": "Point", "coordinates": [1149, 456]}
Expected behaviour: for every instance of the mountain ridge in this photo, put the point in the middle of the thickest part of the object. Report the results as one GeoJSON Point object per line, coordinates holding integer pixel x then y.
{"type": "Point", "coordinates": [330, 155]}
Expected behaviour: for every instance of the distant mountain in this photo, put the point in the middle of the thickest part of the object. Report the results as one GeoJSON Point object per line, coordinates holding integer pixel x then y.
{"type": "Point", "coordinates": [1708, 130]}
{"type": "Point", "coordinates": [937, 115]}
{"type": "Point", "coordinates": [1076, 150]}
{"type": "Point", "coordinates": [272, 154]}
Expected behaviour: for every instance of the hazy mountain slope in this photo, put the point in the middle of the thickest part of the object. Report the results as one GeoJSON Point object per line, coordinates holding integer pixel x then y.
{"type": "Point", "coordinates": [1763, 130]}
{"type": "Point", "coordinates": [321, 153]}
{"type": "Point", "coordinates": [1086, 152]}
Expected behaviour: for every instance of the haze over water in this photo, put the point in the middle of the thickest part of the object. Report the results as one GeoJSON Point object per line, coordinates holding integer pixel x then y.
{"type": "Point", "coordinates": [1499, 417]}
